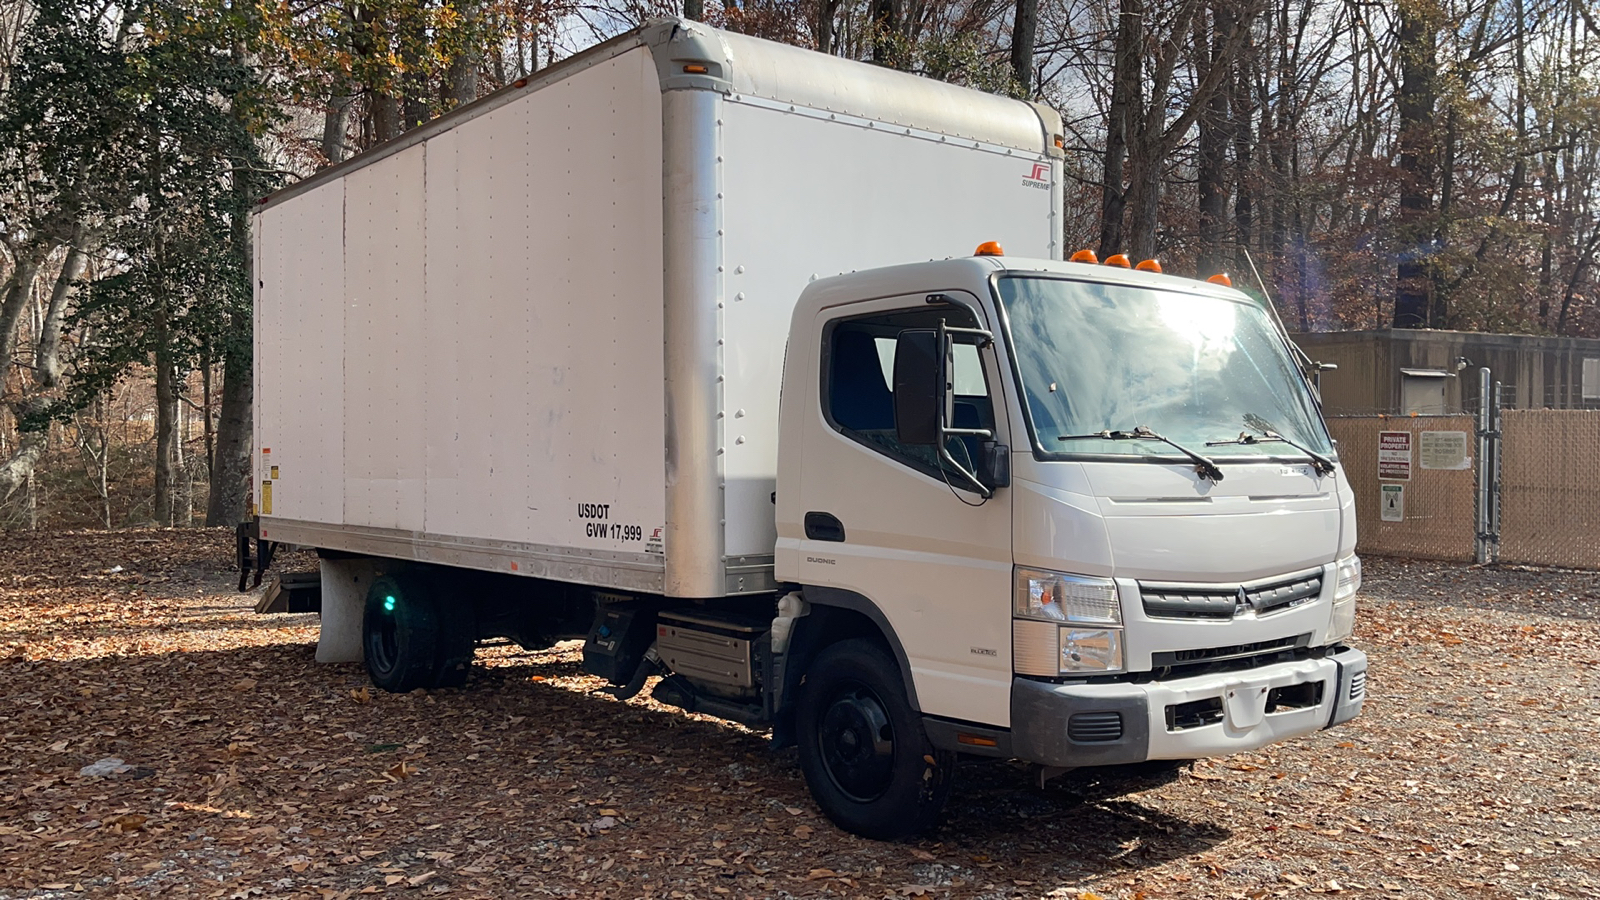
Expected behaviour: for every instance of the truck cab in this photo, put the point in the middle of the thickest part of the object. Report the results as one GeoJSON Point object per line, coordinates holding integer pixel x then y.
{"type": "Point", "coordinates": [1093, 513]}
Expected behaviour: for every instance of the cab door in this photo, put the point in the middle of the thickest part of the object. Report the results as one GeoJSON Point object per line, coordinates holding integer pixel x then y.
{"type": "Point", "coordinates": [898, 527]}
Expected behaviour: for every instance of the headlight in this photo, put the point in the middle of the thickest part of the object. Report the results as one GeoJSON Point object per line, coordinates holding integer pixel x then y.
{"type": "Point", "coordinates": [1058, 597]}
{"type": "Point", "coordinates": [1091, 651]}
{"type": "Point", "coordinates": [1049, 636]}
{"type": "Point", "coordinates": [1342, 620]}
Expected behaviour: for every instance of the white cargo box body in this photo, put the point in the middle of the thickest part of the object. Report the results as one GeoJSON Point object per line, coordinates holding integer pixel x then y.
{"type": "Point", "coordinates": [545, 334]}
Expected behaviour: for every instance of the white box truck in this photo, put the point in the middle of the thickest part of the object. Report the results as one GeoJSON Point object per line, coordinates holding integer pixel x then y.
{"type": "Point", "coordinates": [653, 349]}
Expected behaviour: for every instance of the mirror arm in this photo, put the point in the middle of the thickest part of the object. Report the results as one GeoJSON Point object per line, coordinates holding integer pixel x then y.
{"type": "Point", "coordinates": [961, 470]}
{"type": "Point", "coordinates": [945, 431]}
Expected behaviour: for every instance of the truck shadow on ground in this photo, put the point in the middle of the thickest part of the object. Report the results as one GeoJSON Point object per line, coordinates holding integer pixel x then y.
{"type": "Point", "coordinates": [1078, 826]}
{"type": "Point", "coordinates": [525, 756]}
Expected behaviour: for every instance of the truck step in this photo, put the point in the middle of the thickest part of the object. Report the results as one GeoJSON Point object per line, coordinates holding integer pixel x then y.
{"type": "Point", "coordinates": [293, 592]}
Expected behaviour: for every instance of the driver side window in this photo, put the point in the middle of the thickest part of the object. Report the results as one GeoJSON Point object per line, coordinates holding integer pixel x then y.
{"type": "Point", "coordinates": [858, 385]}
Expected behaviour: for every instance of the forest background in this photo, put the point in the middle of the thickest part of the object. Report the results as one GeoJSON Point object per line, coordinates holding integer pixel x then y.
{"type": "Point", "coordinates": [1408, 164]}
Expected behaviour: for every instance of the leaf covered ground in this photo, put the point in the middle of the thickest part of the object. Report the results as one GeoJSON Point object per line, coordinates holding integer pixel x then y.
{"type": "Point", "coordinates": [159, 738]}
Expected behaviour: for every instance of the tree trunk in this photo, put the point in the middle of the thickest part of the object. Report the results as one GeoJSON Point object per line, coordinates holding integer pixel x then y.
{"type": "Point", "coordinates": [1023, 31]}
{"type": "Point", "coordinates": [885, 33]}
{"type": "Point", "coordinates": [14, 299]}
{"type": "Point", "coordinates": [166, 431]}
{"type": "Point", "coordinates": [826, 10]}
{"type": "Point", "coordinates": [1127, 66]}
{"type": "Point", "coordinates": [336, 128]}
{"type": "Point", "coordinates": [18, 470]}
{"type": "Point", "coordinates": [692, 9]}
{"type": "Point", "coordinates": [1213, 169]}
{"type": "Point", "coordinates": [47, 354]}
{"type": "Point", "coordinates": [1419, 72]}
{"type": "Point", "coordinates": [230, 474]}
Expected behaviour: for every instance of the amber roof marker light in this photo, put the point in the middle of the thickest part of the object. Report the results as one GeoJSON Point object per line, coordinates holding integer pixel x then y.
{"type": "Point", "coordinates": [1085, 256]}
{"type": "Point", "coordinates": [989, 248]}
{"type": "Point", "coordinates": [1120, 260]}
{"type": "Point", "coordinates": [1221, 278]}
{"type": "Point", "coordinates": [1149, 265]}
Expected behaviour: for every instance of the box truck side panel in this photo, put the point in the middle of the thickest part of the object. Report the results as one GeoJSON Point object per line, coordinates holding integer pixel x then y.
{"type": "Point", "coordinates": [299, 358]}
{"type": "Point", "coordinates": [545, 311]}
{"type": "Point", "coordinates": [499, 351]}
{"type": "Point", "coordinates": [813, 195]}
{"type": "Point", "coordinates": [386, 352]}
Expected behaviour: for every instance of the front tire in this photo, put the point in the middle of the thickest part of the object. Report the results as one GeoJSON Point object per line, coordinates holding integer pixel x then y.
{"type": "Point", "coordinates": [864, 753]}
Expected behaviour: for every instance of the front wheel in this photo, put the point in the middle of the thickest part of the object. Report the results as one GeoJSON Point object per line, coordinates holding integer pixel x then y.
{"type": "Point", "coordinates": [863, 750]}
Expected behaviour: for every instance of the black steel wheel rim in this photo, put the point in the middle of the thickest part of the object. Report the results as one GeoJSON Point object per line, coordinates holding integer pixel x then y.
{"type": "Point", "coordinates": [857, 743]}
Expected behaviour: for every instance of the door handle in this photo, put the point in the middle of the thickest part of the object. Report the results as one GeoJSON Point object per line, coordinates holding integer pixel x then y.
{"type": "Point", "coordinates": [821, 526]}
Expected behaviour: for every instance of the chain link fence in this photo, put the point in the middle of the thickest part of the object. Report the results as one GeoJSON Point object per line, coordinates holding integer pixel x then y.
{"type": "Point", "coordinates": [1550, 487]}
{"type": "Point", "coordinates": [1415, 483]}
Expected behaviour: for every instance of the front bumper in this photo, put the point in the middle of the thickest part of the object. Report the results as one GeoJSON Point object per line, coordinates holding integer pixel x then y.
{"type": "Point", "coordinates": [1071, 725]}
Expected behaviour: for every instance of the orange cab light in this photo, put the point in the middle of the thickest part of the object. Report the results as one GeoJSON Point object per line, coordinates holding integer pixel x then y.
{"type": "Point", "coordinates": [989, 248]}
{"type": "Point", "coordinates": [1149, 265]}
{"type": "Point", "coordinates": [695, 69]}
{"type": "Point", "coordinates": [1085, 256]}
{"type": "Point", "coordinates": [1120, 260]}
{"type": "Point", "coordinates": [1222, 279]}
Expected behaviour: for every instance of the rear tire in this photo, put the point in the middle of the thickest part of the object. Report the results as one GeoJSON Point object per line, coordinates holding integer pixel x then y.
{"type": "Point", "coordinates": [458, 640]}
{"type": "Point", "coordinates": [400, 634]}
{"type": "Point", "coordinates": [864, 753]}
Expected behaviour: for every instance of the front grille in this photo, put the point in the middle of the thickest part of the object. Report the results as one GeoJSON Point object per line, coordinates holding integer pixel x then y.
{"type": "Point", "coordinates": [1169, 602]}
{"type": "Point", "coordinates": [1358, 685]}
{"type": "Point", "coordinates": [1189, 604]}
{"type": "Point", "coordinates": [1232, 651]}
{"type": "Point", "coordinates": [1095, 727]}
{"type": "Point", "coordinates": [1289, 593]}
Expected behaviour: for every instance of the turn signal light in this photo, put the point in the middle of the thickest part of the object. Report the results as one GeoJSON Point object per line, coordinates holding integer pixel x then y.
{"type": "Point", "coordinates": [693, 69]}
{"type": "Point", "coordinates": [1085, 256]}
{"type": "Point", "coordinates": [1222, 279]}
{"type": "Point", "coordinates": [989, 248]}
{"type": "Point", "coordinates": [1120, 260]}
{"type": "Point", "coordinates": [1149, 265]}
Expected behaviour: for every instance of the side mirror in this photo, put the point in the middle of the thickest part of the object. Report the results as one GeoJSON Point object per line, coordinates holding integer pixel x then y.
{"type": "Point", "coordinates": [918, 386]}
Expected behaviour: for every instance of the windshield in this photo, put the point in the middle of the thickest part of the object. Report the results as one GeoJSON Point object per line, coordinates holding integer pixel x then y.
{"type": "Point", "coordinates": [1194, 368]}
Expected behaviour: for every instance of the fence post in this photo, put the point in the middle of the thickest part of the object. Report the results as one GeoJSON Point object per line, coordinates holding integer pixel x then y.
{"type": "Point", "coordinates": [1488, 532]}
{"type": "Point", "coordinates": [1496, 436]}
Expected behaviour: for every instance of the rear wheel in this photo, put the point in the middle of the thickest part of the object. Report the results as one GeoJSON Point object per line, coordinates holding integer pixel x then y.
{"type": "Point", "coordinates": [863, 750]}
{"type": "Point", "coordinates": [458, 641]}
{"type": "Point", "coordinates": [400, 634]}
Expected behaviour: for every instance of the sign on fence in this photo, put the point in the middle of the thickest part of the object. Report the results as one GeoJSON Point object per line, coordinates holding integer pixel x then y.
{"type": "Point", "coordinates": [1394, 455]}
{"type": "Point", "coordinates": [1443, 450]}
{"type": "Point", "coordinates": [1394, 502]}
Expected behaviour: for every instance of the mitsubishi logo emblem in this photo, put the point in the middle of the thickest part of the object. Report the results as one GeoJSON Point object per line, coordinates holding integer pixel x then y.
{"type": "Point", "coordinates": [1243, 601]}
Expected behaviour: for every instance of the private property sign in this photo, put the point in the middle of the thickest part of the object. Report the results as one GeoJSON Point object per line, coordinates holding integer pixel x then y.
{"type": "Point", "coordinates": [1394, 456]}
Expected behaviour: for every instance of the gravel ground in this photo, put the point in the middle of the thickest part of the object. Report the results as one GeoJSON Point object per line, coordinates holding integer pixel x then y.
{"type": "Point", "coordinates": [249, 771]}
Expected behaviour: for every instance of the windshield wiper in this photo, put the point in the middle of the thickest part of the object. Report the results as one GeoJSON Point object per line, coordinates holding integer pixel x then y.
{"type": "Point", "coordinates": [1204, 467]}
{"type": "Point", "coordinates": [1321, 464]}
